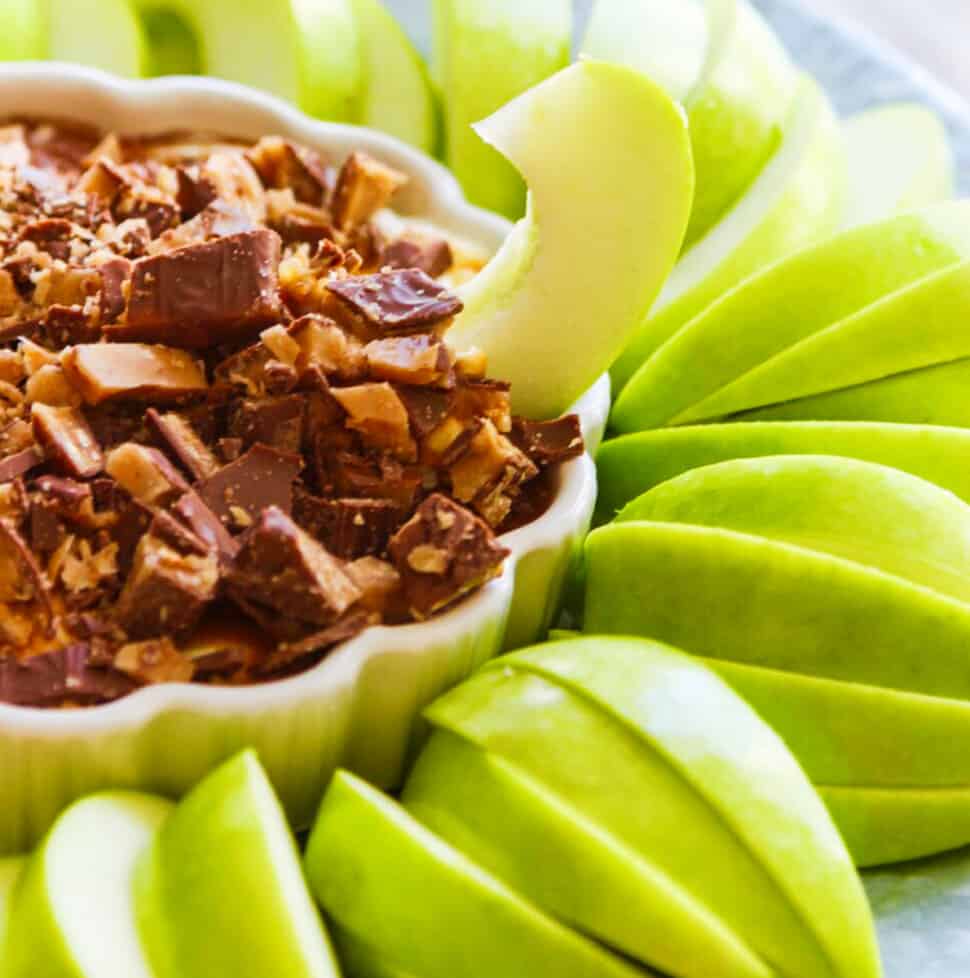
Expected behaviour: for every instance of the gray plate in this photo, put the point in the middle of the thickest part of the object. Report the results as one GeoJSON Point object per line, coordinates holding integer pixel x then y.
{"type": "Point", "coordinates": [923, 909]}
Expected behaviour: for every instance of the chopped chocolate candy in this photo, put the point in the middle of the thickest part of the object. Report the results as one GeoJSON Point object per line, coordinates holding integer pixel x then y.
{"type": "Point", "coordinates": [323, 344]}
{"type": "Point", "coordinates": [133, 371]}
{"type": "Point", "coordinates": [195, 192]}
{"type": "Point", "coordinates": [64, 325]}
{"type": "Point", "coordinates": [433, 255]}
{"type": "Point", "coordinates": [166, 591]}
{"type": "Point", "coordinates": [284, 165]}
{"type": "Point", "coordinates": [427, 409]}
{"type": "Point", "coordinates": [349, 528]}
{"type": "Point", "coordinates": [64, 677]}
{"type": "Point", "coordinates": [240, 491]}
{"type": "Point", "coordinates": [19, 464]}
{"type": "Point", "coordinates": [293, 656]}
{"type": "Point", "coordinates": [549, 442]}
{"type": "Point", "coordinates": [400, 302]}
{"type": "Point", "coordinates": [378, 414]}
{"type": "Point", "coordinates": [364, 186]}
{"type": "Point", "coordinates": [175, 435]}
{"type": "Point", "coordinates": [21, 579]}
{"type": "Point", "coordinates": [273, 421]}
{"type": "Point", "coordinates": [146, 474]}
{"type": "Point", "coordinates": [283, 568]}
{"type": "Point", "coordinates": [154, 661]}
{"type": "Point", "coordinates": [203, 295]}
{"type": "Point", "coordinates": [443, 552]}
{"type": "Point", "coordinates": [115, 274]}
{"type": "Point", "coordinates": [67, 441]}
{"type": "Point", "coordinates": [206, 526]}
{"type": "Point", "coordinates": [419, 360]}
{"type": "Point", "coordinates": [379, 584]}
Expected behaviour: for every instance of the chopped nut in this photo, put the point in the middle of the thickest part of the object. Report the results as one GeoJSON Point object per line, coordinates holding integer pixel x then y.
{"type": "Point", "coordinates": [279, 342]}
{"type": "Point", "coordinates": [419, 360]}
{"type": "Point", "coordinates": [378, 414]}
{"type": "Point", "coordinates": [67, 440]}
{"type": "Point", "coordinates": [154, 661]}
{"type": "Point", "coordinates": [325, 345]}
{"type": "Point", "coordinates": [364, 186]}
{"type": "Point", "coordinates": [426, 559]}
{"type": "Point", "coordinates": [379, 583]}
{"type": "Point", "coordinates": [145, 473]}
{"type": "Point", "coordinates": [85, 570]}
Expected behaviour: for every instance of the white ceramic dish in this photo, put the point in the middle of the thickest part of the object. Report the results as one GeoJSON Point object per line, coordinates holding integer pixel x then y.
{"type": "Point", "coordinates": [359, 708]}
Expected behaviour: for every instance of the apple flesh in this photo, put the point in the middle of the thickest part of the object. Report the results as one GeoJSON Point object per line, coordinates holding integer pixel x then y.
{"type": "Point", "coordinates": [739, 598]}
{"type": "Point", "coordinates": [102, 33]}
{"type": "Point", "coordinates": [360, 961]}
{"type": "Point", "coordinates": [412, 899]}
{"type": "Point", "coordinates": [73, 912]}
{"type": "Point", "coordinates": [796, 201]}
{"type": "Point", "coordinates": [485, 55]}
{"type": "Point", "coordinates": [629, 466]}
{"type": "Point", "coordinates": [10, 869]}
{"type": "Point", "coordinates": [693, 375]}
{"type": "Point", "coordinates": [579, 273]}
{"type": "Point", "coordinates": [899, 158]}
{"type": "Point", "coordinates": [221, 892]}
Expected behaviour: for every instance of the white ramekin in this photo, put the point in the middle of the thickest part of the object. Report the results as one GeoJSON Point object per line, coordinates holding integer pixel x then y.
{"type": "Point", "coordinates": [359, 708]}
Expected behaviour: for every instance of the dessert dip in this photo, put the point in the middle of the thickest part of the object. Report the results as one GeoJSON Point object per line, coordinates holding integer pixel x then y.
{"type": "Point", "coordinates": [232, 431]}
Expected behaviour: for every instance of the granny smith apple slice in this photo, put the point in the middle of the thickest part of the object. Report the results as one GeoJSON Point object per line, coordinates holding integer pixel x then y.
{"type": "Point", "coordinates": [412, 899]}
{"type": "Point", "coordinates": [579, 273]}
{"type": "Point", "coordinates": [103, 33]}
{"type": "Point", "coordinates": [899, 158]}
{"type": "Point", "coordinates": [359, 960]}
{"type": "Point", "coordinates": [872, 514]}
{"type": "Point", "coordinates": [306, 51]}
{"type": "Point", "coordinates": [484, 56]}
{"type": "Point", "coordinates": [396, 96]}
{"type": "Point", "coordinates": [729, 70]}
{"type": "Point", "coordinates": [649, 746]}
{"type": "Point", "coordinates": [173, 48]}
{"type": "Point", "coordinates": [73, 912]}
{"type": "Point", "coordinates": [796, 200]}
{"type": "Point", "coordinates": [546, 847]}
{"type": "Point", "coordinates": [221, 891]}
{"type": "Point", "coordinates": [23, 36]}
{"type": "Point", "coordinates": [785, 304]}
{"type": "Point", "coordinates": [10, 869]}
{"type": "Point", "coordinates": [631, 465]}
{"type": "Point", "coordinates": [730, 596]}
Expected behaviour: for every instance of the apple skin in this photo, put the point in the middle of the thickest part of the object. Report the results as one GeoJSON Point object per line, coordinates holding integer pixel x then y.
{"type": "Point", "coordinates": [358, 960]}
{"type": "Point", "coordinates": [899, 158]}
{"type": "Point", "coordinates": [796, 201]}
{"type": "Point", "coordinates": [23, 37]}
{"type": "Point", "coordinates": [545, 848]}
{"type": "Point", "coordinates": [485, 55]}
{"type": "Point", "coordinates": [10, 869]}
{"type": "Point", "coordinates": [739, 598]}
{"type": "Point", "coordinates": [599, 721]}
{"type": "Point", "coordinates": [629, 466]}
{"type": "Point", "coordinates": [412, 899]}
{"type": "Point", "coordinates": [536, 300]}
{"type": "Point", "coordinates": [871, 514]}
{"type": "Point", "coordinates": [73, 912]}
{"type": "Point", "coordinates": [226, 859]}
{"type": "Point", "coordinates": [784, 305]}
{"type": "Point", "coordinates": [105, 34]}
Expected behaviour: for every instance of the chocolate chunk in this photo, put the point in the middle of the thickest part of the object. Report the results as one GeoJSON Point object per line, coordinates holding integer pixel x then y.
{"type": "Point", "coordinates": [306, 225]}
{"type": "Point", "coordinates": [54, 503]}
{"type": "Point", "coordinates": [19, 464]}
{"type": "Point", "coordinates": [154, 661]}
{"type": "Point", "coordinates": [66, 676]}
{"type": "Point", "coordinates": [443, 552]}
{"type": "Point", "coordinates": [65, 325]}
{"type": "Point", "coordinates": [422, 361]}
{"type": "Point", "coordinates": [21, 579]}
{"type": "Point", "coordinates": [283, 568]}
{"type": "Point", "coordinates": [427, 408]}
{"type": "Point", "coordinates": [132, 522]}
{"type": "Point", "coordinates": [115, 273]}
{"type": "Point", "coordinates": [67, 440]}
{"type": "Point", "coordinates": [166, 591]}
{"type": "Point", "coordinates": [364, 186]}
{"type": "Point", "coordinates": [299, 655]}
{"type": "Point", "coordinates": [273, 421]}
{"type": "Point", "coordinates": [177, 535]}
{"type": "Point", "coordinates": [195, 192]}
{"type": "Point", "coordinates": [158, 211]}
{"type": "Point", "coordinates": [133, 371]}
{"type": "Point", "coordinates": [177, 436]}
{"type": "Point", "coordinates": [207, 294]}
{"type": "Point", "coordinates": [52, 235]}
{"type": "Point", "coordinates": [239, 492]}
{"type": "Point", "coordinates": [399, 302]}
{"type": "Point", "coordinates": [433, 255]}
{"type": "Point", "coordinates": [349, 528]}
{"type": "Point", "coordinates": [204, 524]}
{"type": "Point", "coordinates": [368, 478]}
{"type": "Point", "coordinates": [283, 165]}
{"type": "Point", "coordinates": [549, 442]}
{"type": "Point", "coordinates": [146, 474]}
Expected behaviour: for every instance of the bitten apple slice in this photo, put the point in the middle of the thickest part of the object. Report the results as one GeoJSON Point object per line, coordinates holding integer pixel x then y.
{"type": "Point", "coordinates": [890, 805]}
{"type": "Point", "coordinates": [796, 201]}
{"type": "Point", "coordinates": [652, 749]}
{"type": "Point", "coordinates": [103, 33]}
{"type": "Point", "coordinates": [397, 96]}
{"type": "Point", "coordinates": [607, 215]}
{"type": "Point", "coordinates": [871, 514]}
{"type": "Point", "coordinates": [899, 158]}
{"type": "Point", "coordinates": [73, 913]}
{"type": "Point", "coordinates": [785, 304]}
{"type": "Point", "coordinates": [221, 891]}
{"type": "Point", "coordinates": [729, 70]}
{"type": "Point", "coordinates": [411, 898]}
{"type": "Point", "coordinates": [632, 465]}
{"type": "Point", "coordinates": [731, 596]}
{"type": "Point", "coordinates": [10, 869]}
{"type": "Point", "coordinates": [486, 54]}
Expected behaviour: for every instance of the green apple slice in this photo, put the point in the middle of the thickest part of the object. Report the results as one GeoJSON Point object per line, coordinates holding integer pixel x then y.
{"type": "Point", "coordinates": [23, 36]}
{"type": "Point", "coordinates": [871, 514]}
{"type": "Point", "coordinates": [73, 913]}
{"type": "Point", "coordinates": [545, 847]}
{"type": "Point", "coordinates": [173, 48]}
{"type": "Point", "coordinates": [899, 158]}
{"type": "Point", "coordinates": [630, 466]}
{"type": "Point", "coordinates": [578, 274]}
{"type": "Point", "coordinates": [601, 722]}
{"type": "Point", "coordinates": [413, 899]}
{"type": "Point", "coordinates": [796, 200]}
{"type": "Point", "coordinates": [221, 891]}
{"type": "Point", "coordinates": [739, 598]}
{"type": "Point", "coordinates": [397, 96]}
{"type": "Point", "coordinates": [359, 960]}
{"type": "Point", "coordinates": [783, 305]}
{"type": "Point", "coordinates": [725, 65]}
{"type": "Point", "coordinates": [103, 33]}
{"type": "Point", "coordinates": [484, 56]}
{"type": "Point", "coordinates": [11, 868]}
